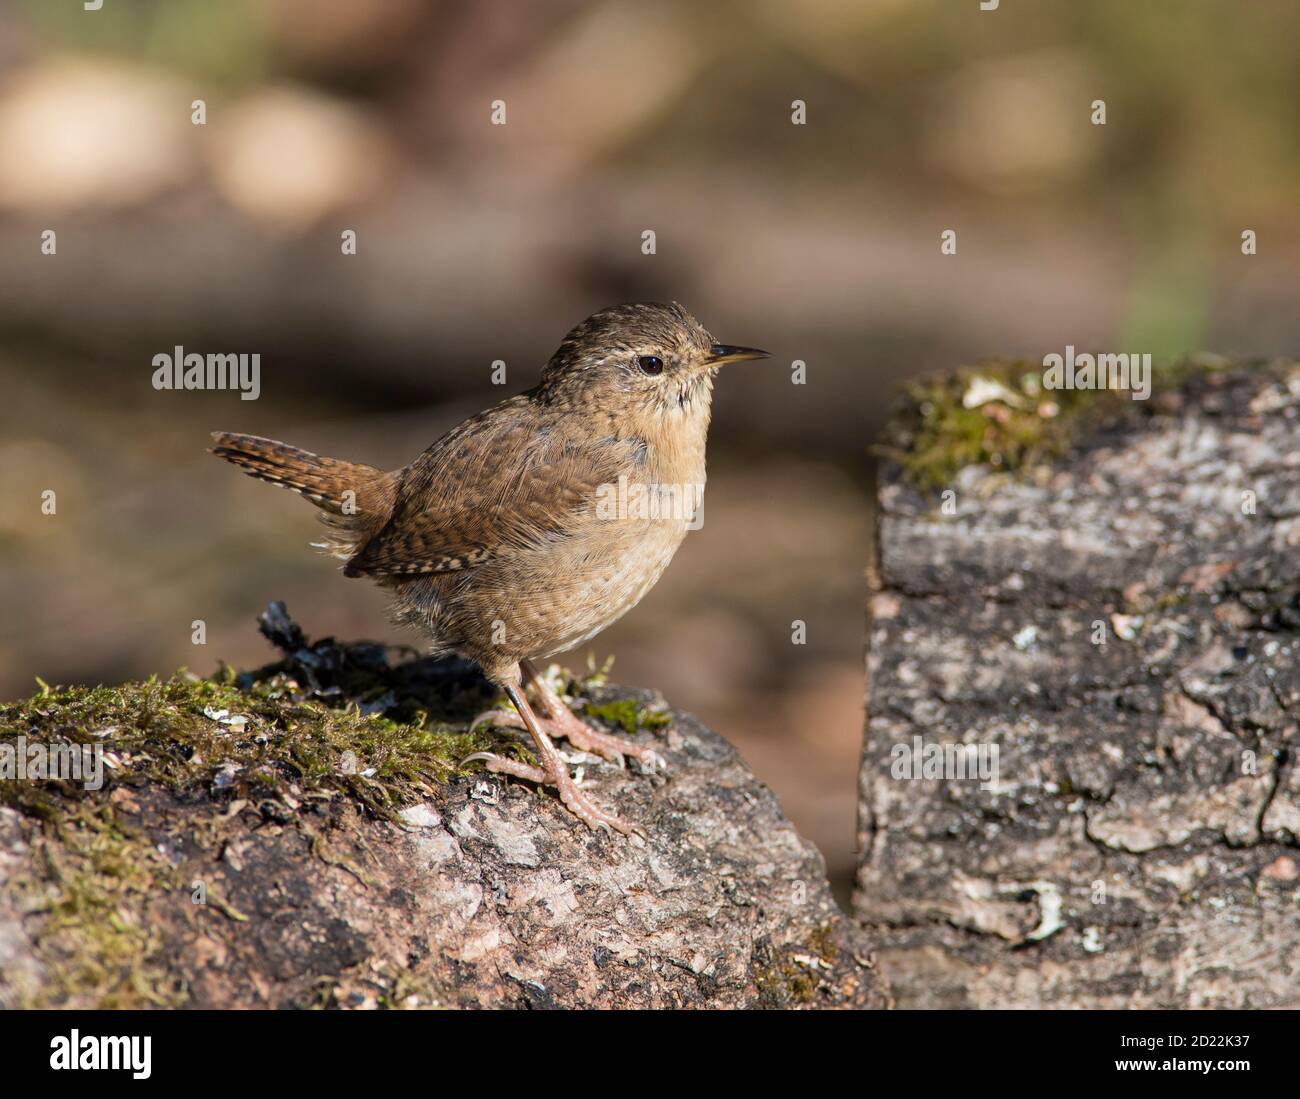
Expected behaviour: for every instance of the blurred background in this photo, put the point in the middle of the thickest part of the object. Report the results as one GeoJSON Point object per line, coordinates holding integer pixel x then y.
{"type": "Point", "coordinates": [479, 242]}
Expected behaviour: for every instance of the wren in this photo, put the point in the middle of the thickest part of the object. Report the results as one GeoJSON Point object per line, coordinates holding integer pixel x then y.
{"type": "Point", "coordinates": [500, 541]}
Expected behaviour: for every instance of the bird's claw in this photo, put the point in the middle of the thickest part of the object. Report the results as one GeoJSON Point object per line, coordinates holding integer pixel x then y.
{"type": "Point", "coordinates": [508, 718]}
{"type": "Point", "coordinates": [574, 800]}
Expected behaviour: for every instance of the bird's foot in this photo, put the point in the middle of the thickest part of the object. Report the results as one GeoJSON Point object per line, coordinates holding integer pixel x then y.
{"type": "Point", "coordinates": [581, 806]}
{"type": "Point", "coordinates": [559, 721]}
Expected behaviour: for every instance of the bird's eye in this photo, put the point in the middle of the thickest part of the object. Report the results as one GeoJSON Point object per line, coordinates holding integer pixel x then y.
{"type": "Point", "coordinates": [650, 364]}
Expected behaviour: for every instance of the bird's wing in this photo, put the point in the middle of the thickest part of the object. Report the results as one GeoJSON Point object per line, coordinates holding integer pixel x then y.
{"type": "Point", "coordinates": [498, 481]}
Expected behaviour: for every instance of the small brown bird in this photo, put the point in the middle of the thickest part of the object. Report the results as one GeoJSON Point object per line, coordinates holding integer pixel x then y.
{"type": "Point", "coordinates": [532, 526]}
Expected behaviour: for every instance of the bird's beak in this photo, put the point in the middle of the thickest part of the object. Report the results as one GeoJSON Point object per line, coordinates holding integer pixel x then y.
{"type": "Point", "coordinates": [724, 353]}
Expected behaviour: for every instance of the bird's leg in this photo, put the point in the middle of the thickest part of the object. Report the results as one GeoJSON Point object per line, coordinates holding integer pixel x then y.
{"type": "Point", "coordinates": [553, 771]}
{"type": "Point", "coordinates": [560, 721]}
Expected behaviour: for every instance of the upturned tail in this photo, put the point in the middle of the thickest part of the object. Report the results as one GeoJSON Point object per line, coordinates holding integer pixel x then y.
{"type": "Point", "coordinates": [356, 498]}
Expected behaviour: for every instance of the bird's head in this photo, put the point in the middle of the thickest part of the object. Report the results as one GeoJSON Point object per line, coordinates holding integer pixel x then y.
{"type": "Point", "coordinates": [639, 359]}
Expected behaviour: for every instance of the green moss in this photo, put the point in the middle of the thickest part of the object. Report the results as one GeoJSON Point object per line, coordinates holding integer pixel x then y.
{"type": "Point", "coordinates": [330, 728]}
{"type": "Point", "coordinates": [792, 975]}
{"type": "Point", "coordinates": [188, 734]}
{"type": "Point", "coordinates": [91, 876]}
{"type": "Point", "coordinates": [822, 943]}
{"type": "Point", "coordinates": [935, 435]}
{"type": "Point", "coordinates": [375, 986]}
{"type": "Point", "coordinates": [628, 714]}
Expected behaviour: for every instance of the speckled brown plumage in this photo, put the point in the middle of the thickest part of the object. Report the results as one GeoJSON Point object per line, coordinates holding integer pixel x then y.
{"type": "Point", "coordinates": [503, 541]}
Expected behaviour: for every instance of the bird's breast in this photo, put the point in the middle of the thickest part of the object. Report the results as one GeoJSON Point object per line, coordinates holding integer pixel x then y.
{"type": "Point", "coordinates": [607, 579]}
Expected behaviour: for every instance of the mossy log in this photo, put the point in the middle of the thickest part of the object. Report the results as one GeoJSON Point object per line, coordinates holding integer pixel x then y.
{"type": "Point", "coordinates": [1120, 618]}
{"type": "Point", "coordinates": [304, 836]}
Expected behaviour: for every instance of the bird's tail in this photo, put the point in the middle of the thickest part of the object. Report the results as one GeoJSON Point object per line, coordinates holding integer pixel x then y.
{"type": "Point", "coordinates": [348, 489]}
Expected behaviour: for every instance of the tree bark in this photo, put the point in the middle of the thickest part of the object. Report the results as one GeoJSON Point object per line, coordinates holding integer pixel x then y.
{"type": "Point", "coordinates": [1121, 625]}
{"type": "Point", "coordinates": [270, 880]}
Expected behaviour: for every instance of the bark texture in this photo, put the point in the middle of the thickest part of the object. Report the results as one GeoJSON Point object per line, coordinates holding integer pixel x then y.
{"type": "Point", "coordinates": [476, 892]}
{"type": "Point", "coordinates": [1138, 847]}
